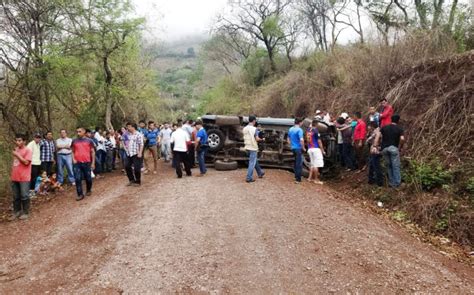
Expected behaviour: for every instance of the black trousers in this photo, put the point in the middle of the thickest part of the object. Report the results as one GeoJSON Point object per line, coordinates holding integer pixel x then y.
{"type": "Point", "coordinates": [134, 175]}
{"type": "Point", "coordinates": [48, 167]}
{"type": "Point", "coordinates": [191, 156]}
{"type": "Point", "coordinates": [35, 172]}
{"type": "Point", "coordinates": [182, 157]}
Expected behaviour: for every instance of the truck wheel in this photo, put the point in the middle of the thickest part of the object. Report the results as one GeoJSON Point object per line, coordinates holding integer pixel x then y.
{"type": "Point", "coordinates": [225, 166]}
{"type": "Point", "coordinates": [215, 139]}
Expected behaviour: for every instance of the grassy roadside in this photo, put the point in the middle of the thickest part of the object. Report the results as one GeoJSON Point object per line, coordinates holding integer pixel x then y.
{"type": "Point", "coordinates": [439, 216]}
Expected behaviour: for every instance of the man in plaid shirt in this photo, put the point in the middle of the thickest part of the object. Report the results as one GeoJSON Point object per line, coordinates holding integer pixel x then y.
{"type": "Point", "coordinates": [47, 150]}
{"type": "Point", "coordinates": [134, 155]}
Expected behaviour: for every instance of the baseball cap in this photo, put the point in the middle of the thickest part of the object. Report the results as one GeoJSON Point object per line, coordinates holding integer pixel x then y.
{"type": "Point", "coordinates": [345, 115]}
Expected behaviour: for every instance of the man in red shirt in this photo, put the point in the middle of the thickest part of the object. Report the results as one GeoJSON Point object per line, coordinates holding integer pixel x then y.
{"type": "Point", "coordinates": [386, 113]}
{"type": "Point", "coordinates": [20, 177]}
{"type": "Point", "coordinates": [360, 133]}
{"type": "Point", "coordinates": [83, 159]}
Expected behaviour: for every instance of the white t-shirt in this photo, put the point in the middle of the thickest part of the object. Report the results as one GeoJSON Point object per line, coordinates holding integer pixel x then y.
{"type": "Point", "coordinates": [166, 135]}
{"type": "Point", "coordinates": [113, 141]}
{"type": "Point", "coordinates": [179, 138]}
{"type": "Point", "coordinates": [64, 142]}
{"type": "Point", "coordinates": [100, 141]}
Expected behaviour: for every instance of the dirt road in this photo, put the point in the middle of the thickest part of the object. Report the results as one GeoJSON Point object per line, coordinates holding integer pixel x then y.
{"type": "Point", "coordinates": [217, 234]}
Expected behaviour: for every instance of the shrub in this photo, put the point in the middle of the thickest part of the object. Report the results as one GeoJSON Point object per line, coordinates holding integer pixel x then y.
{"type": "Point", "coordinates": [429, 175]}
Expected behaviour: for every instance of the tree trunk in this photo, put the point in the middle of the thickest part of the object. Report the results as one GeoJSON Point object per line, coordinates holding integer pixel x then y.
{"type": "Point", "coordinates": [421, 11]}
{"type": "Point", "coordinates": [452, 14]}
{"type": "Point", "coordinates": [270, 55]}
{"type": "Point", "coordinates": [438, 6]}
{"type": "Point", "coordinates": [108, 96]}
{"type": "Point", "coordinates": [361, 32]}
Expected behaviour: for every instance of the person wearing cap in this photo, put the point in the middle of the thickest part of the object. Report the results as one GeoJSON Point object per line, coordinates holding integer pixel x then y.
{"type": "Point", "coordinates": [319, 115]}
{"type": "Point", "coordinates": [34, 146]}
{"type": "Point", "coordinates": [344, 127]}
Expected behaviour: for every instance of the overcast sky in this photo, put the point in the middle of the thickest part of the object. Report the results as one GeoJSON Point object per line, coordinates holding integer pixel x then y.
{"type": "Point", "coordinates": [170, 20]}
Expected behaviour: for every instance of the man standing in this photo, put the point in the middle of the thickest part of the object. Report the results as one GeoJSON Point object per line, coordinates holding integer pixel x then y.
{"type": "Point", "coordinates": [165, 141]}
{"type": "Point", "coordinates": [47, 148]}
{"type": "Point", "coordinates": [114, 140]}
{"type": "Point", "coordinates": [201, 146]}
{"type": "Point", "coordinates": [296, 140]}
{"type": "Point", "coordinates": [374, 116]}
{"type": "Point", "coordinates": [180, 138]}
{"type": "Point", "coordinates": [34, 146]}
{"type": "Point", "coordinates": [360, 133]}
{"type": "Point", "coordinates": [83, 159]}
{"type": "Point", "coordinates": [375, 171]}
{"type": "Point", "coordinates": [101, 152]}
{"type": "Point", "coordinates": [347, 149]}
{"type": "Point", "coordinates": [134, 155]}
{"type": "Point", "coordinates": [392, 143]}
{"type": "Point", "coordinates": [152, 138]}
{"type": "Point", "coordinates": [190, 155]}
{"type": "Point", "coordinates": [315, 152]}
{"type": "Point", "coordinates": [21, 177]}
{"type": "Point", "coordinates": [251, 140]}
{"type": "Point", "coordinates": [386, 113]}
{"type": "Point", "coordinates": [64, 151]}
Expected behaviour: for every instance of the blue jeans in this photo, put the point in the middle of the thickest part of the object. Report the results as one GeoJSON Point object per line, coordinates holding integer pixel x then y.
{"type": "Point", "coordinates": [123, 157]}
{"type": "Point", "coordinates": [253, 164]}
{"type": "Point", "coordinates": [392, 159]}
{"type": "Point", "coordinates": [202, 159]}
{"type": "Point", "coordinates": [298, 164]}
{"type": "Point", "coordinates": [375, 171]}
{"type": "Point", "coordinates": [348, 155]}
{"type": "Point", "coordinates": [21, 197]}
{"type": "Point", "coordinates": [65, 160]}
{"type": "Point", "coordinates": [83, 171]}
{"type": "Point", "coordinates": [100, 157]}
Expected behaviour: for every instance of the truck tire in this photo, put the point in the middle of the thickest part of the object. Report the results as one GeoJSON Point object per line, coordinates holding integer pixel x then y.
{"type": "Point", "coordinates": [215, 139]}
{"type": "Point", "coordinates": [226, 166]}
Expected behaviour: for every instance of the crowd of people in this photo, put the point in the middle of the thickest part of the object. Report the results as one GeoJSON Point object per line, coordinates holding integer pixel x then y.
{"type": "Point", "coordinates": [362, 142]}
{"type": "Point", "coordinates": [44, 165]}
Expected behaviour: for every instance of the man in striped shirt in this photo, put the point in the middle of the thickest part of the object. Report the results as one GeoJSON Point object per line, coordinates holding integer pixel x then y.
{"type": "Point", "coordinates": [47, 149]}
{"type": "Point", "coordinates": [134, 155]}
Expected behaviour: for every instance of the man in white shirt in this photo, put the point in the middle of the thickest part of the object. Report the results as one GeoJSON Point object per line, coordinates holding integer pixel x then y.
{"type": "Point", "coordinates": [34, 146]}
{"type": "Point", "coordinates": [251, 140]}
{"type": "Point", "coordinates": [165, 141]}
{"type": "Point", "coordinates": [180, 137]}
{"type": "Point", "coordinates": [101, 152]}
{"type": "Point", "coordinates": [64, 154]}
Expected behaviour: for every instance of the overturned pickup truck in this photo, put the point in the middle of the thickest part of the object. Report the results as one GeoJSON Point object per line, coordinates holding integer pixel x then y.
{"type": "Point", "coordinates": [226, 142]}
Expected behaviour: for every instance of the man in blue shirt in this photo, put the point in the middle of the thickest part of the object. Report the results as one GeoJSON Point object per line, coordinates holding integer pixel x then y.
{"type": "Point", "coordinates": [201, 146]}
{"type": "Point", "coordinates": [296, 141]}
{"type": "Point", "coordinates": [151, 136]}
{"type": "Point", "coordinates": [143, 130]}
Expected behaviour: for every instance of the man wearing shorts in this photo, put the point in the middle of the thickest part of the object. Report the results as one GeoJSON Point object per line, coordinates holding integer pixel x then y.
{"type": "Point", "coordinates": [315, 152]}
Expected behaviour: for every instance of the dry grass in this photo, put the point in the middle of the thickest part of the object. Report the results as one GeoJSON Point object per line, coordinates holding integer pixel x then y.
{"type": "Point", "coordinates": [429, 85]}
